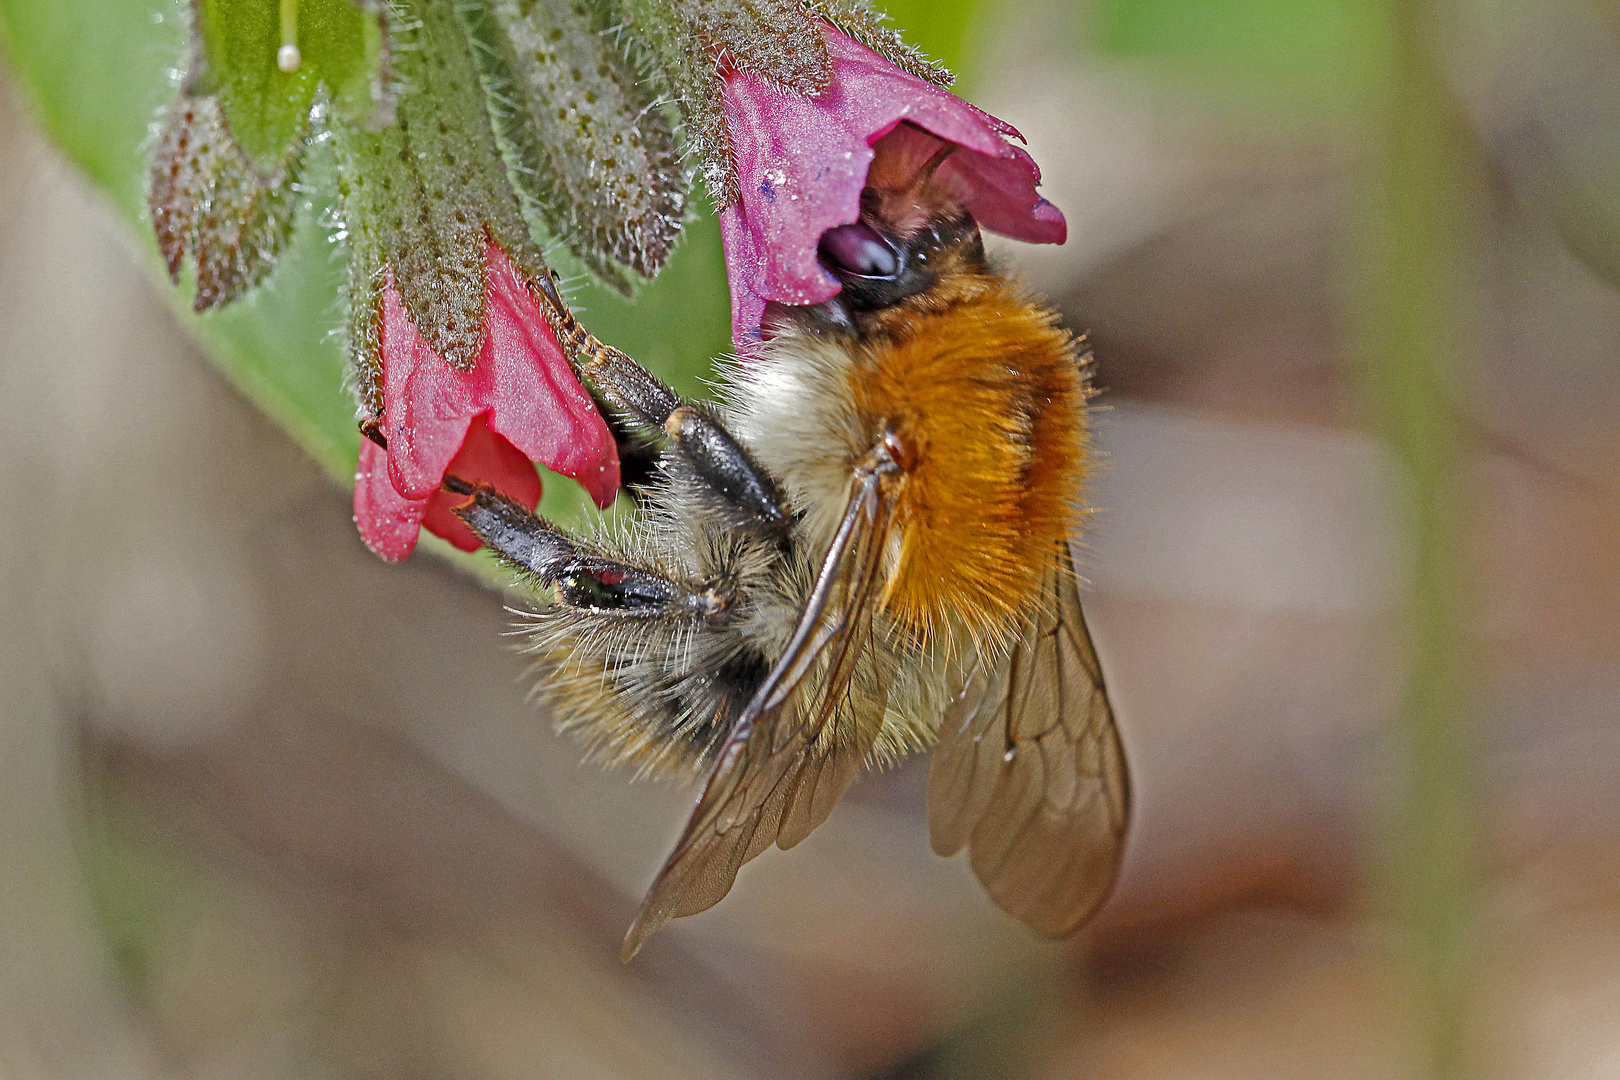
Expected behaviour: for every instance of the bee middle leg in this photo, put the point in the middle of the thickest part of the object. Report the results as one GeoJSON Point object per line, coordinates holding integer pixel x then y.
{"type": "Point", "coordinates": [717, 460]}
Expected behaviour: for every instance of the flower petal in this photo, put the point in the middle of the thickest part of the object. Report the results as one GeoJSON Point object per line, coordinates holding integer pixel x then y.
{"type": "Point", "coordinates": [537, 402]}
{"type": "Point", "coordinates": [802, 162]}
{"type": "Point", "coordinates": [745, 270]}
{"type": "Point", "coordinates": [485, 458]}
{"type": "Point", "coordinates": [998, 191]}
{"type": "Point", "coordinates": [387, 520]}
{"type": "Point", "coordinates": [427, 403]}
{"type": "Point", "coordinates": [521, 378]}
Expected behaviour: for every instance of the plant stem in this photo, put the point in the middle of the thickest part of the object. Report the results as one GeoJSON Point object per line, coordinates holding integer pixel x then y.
{"type": "Point", "coordinates": [1416, 250]}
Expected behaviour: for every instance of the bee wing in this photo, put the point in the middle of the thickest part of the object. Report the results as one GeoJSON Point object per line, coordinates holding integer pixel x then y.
{"type": "Point", "coordinates": [777, 777]}
{"type": "Point", "coordinates": [1029, 774]}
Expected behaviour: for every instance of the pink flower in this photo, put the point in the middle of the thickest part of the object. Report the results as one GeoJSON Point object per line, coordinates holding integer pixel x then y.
{"type": "Point", "coordinates": [519, 404]}
{"type": "Point", "coordinates": [802, 162]}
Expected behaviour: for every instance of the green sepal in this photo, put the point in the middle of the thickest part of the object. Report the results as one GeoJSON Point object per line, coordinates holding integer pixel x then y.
{"type": "Point", "coordinates": [874, 29]}
{"type": "Point", "coordinates": [208, 200]}
{"type": "Point", "coordinates": [778, 40]}
{"type": "Point", "coordinates": [422, 196]}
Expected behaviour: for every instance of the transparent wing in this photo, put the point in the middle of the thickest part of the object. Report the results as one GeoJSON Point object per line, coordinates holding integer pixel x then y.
{"type": "Point", "coordinates": [781, 770]}
{"type": "Point", "coordinates": [1029, 774]}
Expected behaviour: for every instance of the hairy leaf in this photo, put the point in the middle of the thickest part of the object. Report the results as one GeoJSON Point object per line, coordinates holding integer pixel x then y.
{"type": "Point", "coordinates": [592, 153]}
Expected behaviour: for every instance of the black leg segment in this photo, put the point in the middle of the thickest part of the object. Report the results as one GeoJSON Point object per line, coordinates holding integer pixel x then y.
{"type": "Point", "coordinates": [717, 459]}
{"type": "Point", "coordinates": [582, 579]}
{"type": "Point", "coordinates": [725, 466]}
{"type": "Point", "coordinates": [509, 529]}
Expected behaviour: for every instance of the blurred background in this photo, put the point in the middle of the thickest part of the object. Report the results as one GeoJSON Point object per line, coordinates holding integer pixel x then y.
{"type": "Point", "coordinates": [270, 808]}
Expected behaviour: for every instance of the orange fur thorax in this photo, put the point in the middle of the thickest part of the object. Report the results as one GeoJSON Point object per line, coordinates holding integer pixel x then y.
{"type": "Point", "coordinates": [987, 398]}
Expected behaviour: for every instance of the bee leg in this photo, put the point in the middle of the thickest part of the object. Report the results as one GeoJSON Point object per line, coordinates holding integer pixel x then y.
{"type": "Point", "coordinates": [638, 455]}
{"type": "Point", "coordinates": [721, 463]}
{"type": "Point", "coordinates": [717, 459]}
{"type": "Point", "coordinates": [524, 540]}
{"type": "Point", "coordinates": [583, 579]}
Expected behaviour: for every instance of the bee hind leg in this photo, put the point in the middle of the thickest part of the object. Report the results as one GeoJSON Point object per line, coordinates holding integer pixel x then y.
{"type": "Point", "coordinates": [583, 579]}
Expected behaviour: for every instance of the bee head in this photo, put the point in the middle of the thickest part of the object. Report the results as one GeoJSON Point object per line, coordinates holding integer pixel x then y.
{"type": "Point", "coordinates": [878, 268]}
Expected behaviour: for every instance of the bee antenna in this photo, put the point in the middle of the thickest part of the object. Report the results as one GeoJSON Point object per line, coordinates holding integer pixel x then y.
{"type": "Point", "coordinates": [456, 485]}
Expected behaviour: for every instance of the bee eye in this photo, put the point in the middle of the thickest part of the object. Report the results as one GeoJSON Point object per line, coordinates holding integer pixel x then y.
{"type": "Point", "coordinates": [858, 249]}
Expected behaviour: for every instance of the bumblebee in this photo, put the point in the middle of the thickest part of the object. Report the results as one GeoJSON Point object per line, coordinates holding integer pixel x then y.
{"type": "Point", "coordinates": [861, 552]}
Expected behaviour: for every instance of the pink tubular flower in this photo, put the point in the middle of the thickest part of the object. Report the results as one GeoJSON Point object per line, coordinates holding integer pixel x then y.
{"type": "Point", "coordinates": [802, 162]}
{"type": "Point", "coordinates": [519, 404]}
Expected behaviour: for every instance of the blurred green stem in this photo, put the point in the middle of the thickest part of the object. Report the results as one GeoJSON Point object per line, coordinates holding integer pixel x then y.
{"type": "Point", "coordinates": [1416, 255]}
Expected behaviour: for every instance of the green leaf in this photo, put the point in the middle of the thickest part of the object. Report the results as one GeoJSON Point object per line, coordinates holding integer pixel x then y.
{"type": "Point", "coordinates": [98, 72]}
{"type": "Point", "coordinates": [940, 28]}
{"type": "Point", "coordinates": [339, 44]}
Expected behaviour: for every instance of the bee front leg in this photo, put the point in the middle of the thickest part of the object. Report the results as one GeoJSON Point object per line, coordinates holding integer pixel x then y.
{"type": "Point", "coordinates": [526, 541]}
{"type": "Point", "coordinates": [716, 458]}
